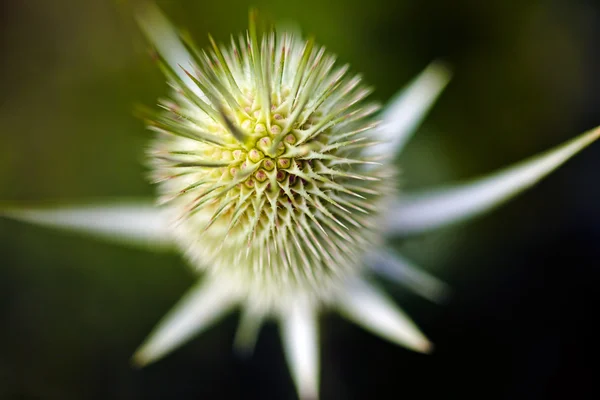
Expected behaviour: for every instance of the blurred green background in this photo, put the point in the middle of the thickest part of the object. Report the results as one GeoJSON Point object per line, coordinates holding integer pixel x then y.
{"type": "Point", "coordinates": [520, 322]}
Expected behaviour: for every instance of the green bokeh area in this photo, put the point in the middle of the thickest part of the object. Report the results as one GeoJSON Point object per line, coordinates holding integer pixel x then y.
{"type": "Point", "coordinates": [74, 309]}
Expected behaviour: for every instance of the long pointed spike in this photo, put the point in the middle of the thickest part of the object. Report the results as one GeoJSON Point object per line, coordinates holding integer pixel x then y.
{"type": "Point", "coordinates": [400, 270]}
{"type": "Point", "coordinates": [129, 222]}
{"type": "Point", "coordinates": [421, 212]}
{"type": "Point", "coordinates": [405, 112]}
{"type": "Point", "coordinates": [300, 342]}
{"type": "Point", "coordinates": [200, 307]}
{"type": "Point", "coordinates": [247, 332]}
{"type": "Point", "coordinates": [197, 96]}
{"type": "Point", "coordinates": [257, 64]}
{"type": "Point", "coordinates": [162, 35]}
{"type": "Point", "coordinates": [367, 306]}
{"type": "Point", "coordinates": [225, 66]}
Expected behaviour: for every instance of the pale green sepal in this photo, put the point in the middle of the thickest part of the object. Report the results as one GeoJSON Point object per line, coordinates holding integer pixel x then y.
{"type": "Point", "coordinates": [400, 270]}
{"type": "Point", "coordinates": [405, 111]}
{"type": "Point", "coordinates": [201, 306]}
{"type": "Point", "coordinates": [366, 305]}
{"type": "Point", "coordinates": [301, 346]}
{"type": "Point", "coordinates": [420, 212]}
{"type": "Point", "coordinates": [138, 223]}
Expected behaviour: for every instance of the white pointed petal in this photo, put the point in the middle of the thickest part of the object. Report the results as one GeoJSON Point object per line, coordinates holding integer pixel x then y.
{"type": "Point", "coordinates": [399, 269]}
{"type": "Point", "coordinates": [200, 307]}
{"type": "Point", "coordinates": [415, 213]}
{"type": "Point", "coordinates": [137, 223]}
{"type": "Point", "coordinates": [408, 108]}
{"type": "Point", "coordinates": [369, 307]}
{"type": "Point", "coordinates": [162, 35]}
{"type": "Point", "coordinates": [300, 343]}
{"type": "Point", "coordinates": [247, 332]}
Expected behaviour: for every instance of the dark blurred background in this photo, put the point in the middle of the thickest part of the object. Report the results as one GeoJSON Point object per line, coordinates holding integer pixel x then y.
{"type": "Point", "coordinates": [520, 323]}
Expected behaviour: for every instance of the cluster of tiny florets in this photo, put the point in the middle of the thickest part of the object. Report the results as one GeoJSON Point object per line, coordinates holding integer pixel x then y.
{"type": "Point", "coordinates": [260, 156]}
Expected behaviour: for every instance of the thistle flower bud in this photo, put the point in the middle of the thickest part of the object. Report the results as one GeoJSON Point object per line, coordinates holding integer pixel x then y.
{"type": "Point", "coordinates": [265, 176]}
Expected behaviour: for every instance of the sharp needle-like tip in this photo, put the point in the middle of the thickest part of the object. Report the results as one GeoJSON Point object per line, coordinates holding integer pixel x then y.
{"type": "Point", "coordinates": [441, 68]}
{"type": "Point", "coordinates": [138, 360]}
{"type": "Point", "coordinates": [425, 347]}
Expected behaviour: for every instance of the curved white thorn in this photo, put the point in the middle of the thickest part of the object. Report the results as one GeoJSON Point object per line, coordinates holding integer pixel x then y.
{"type": "Point", "coordinates": [162, 35]}
{"type": "Point", "coordinates": [408, 108]}
{"type": "Point", "coordinates": [201, 306]}
{"type": "Point", "coordinates": [368, 306]}
{"type": "Point", "coordinates": [130, 222]}
{"type": "Point", "coordinates": [420, 212]}
{"type": "Point", "coordinates": [398, 269]}
{"type": "Point", "coordinates": [301, 347]}
{"type": "Point", "coordinates": [247, 332]}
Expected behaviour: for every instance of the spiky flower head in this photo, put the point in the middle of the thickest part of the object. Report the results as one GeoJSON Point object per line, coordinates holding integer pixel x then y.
{"type": "Point", "coordinates": [261, 157]}
{"type": "Point", "coordinates": [266, 163]}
